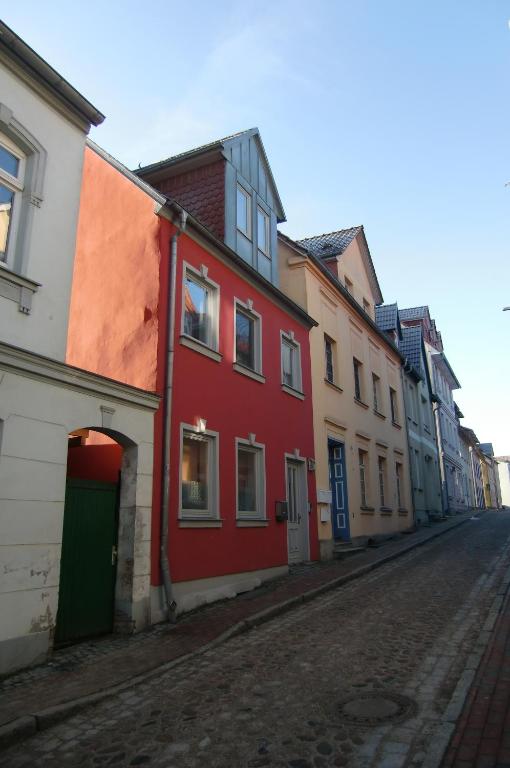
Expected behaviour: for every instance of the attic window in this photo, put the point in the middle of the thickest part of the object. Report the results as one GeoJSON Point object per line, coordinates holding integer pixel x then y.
{"type": "Point", "coordinates": [243, 216]}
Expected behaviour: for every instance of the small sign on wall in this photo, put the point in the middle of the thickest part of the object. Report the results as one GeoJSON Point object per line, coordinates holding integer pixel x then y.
{"type": "Point", "coordinates": [325, 515]}
{"type": "Point", "coordinates": [324, 497]}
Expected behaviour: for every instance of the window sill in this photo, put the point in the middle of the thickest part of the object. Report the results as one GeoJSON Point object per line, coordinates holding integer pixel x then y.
{"type": "Point", "coordinates": [396, 425]}
{"type": "Point", "coordinates": [333, 385]}
{"type": "Point", "coordinates": [252, 523]}
{"type": "Point", "coordinates": [293, 392]}
{"type": "Point", "coordinates": [194, 523]}
{"type": "Point", "coordinates": [17, 288]}
{"type": "Point", "coordinates": [249, 372]}
{"type": "Point", "coordinates": [379, 414]}
{"type": "Point", "coordinates": [367, 510]}
{"type": "Point", "coordinates": [403, 511]}
{"type": "Point", "coordinates": [360, 402]}
{"type": "Point", "coordinates": [198, 346]}
{"type": "Point", "coordinates": [386, 510]}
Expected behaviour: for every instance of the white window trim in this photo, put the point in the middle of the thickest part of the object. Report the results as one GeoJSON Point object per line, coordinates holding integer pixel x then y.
{"type": "Point", "coordinates": [289, 339]}
{"type": "Point", "coordinates": [16, 185]}
{"type": "Point", "coordinates": [201, 277]}
{"type": "Point", "coordinates": [247, 194]}
{"type": "Point", "coordinates": [259, 449]}
{"type": "Point", "coordinates": [212, 513]}
{"type": "Point", "coordinates": [267, 221]}
{"type": "Point", "coordinates": [247, 309]}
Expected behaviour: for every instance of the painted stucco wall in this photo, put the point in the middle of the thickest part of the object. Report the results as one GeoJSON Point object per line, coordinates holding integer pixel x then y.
{"type": "Point", "coordinates": [337, 414]}
{"type": "Point", "coordinates": [51, 229]}
{"type": "Point", "coordinates": [114, 322]}
{"type": "Point", "coordinates": [504, 481]}
{"type": "Point", "coordinates": [234, 405]}
{"type": "Point", "coordinates": [351, 266]}
{"type": "Point", "coordinates": [35, 419]}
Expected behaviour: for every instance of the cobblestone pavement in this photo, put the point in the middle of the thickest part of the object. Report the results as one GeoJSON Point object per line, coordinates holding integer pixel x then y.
{"type": "Point", "coordinates": [272, 696]}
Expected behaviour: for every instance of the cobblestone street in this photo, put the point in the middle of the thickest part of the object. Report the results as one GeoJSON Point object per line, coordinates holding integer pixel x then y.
{"type": "Point", "coordinates": [275, 696]}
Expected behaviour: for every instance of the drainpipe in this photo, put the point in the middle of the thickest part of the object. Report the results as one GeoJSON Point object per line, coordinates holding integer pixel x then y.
{"type": "Point", "coordinates": [165, 496]}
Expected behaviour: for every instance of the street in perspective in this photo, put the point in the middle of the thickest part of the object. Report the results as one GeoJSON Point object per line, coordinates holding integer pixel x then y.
{"type": "Point", "coordinates": [371, 673]}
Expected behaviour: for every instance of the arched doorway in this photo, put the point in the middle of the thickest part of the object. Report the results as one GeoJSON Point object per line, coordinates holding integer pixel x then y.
{"type": "Point", "coordinates": [98, 535]}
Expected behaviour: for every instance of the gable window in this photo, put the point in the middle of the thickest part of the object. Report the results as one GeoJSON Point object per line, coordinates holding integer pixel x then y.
{"type": "Point", "coordinates": [291, 363]}
{"type": "Point", "coordinates": [243, 215]}
{"type": "Point", "coordinates": [329, 355]}
{"type": "Point", "coordinates": [200, 308]}
{"type": "Point", "coordinates": [366, 306]}
{"type": "Point", "coordinates": [198, 474]}
{"type": "Point", "coordinates": [248, 348]}
{"type": "Point", "coordinates": [363, 461]}
{"type": "Point", "coordinates": [376, 389]}
{"type": "Point", "coordinates": [358, 379]}
{"type": "Point", "coordinates": [348, 285]}
{"type": "Point", "coordinates": [393, 405]}
{"type": "Point", "coordinates": [251, 503]}
{"type": "Point", "coordinates": [382, 480]}
{"type": "Point", "coordinates": [262, 232]}
{"type": "Point", "coordinates": [12, 168]}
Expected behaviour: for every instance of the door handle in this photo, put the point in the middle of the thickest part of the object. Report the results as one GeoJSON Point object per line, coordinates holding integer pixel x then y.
{"type": "Point", "coordinates": [115, 553]}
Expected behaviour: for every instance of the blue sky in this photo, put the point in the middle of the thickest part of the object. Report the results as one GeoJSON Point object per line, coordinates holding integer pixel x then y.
{"type": "Point", "coordinates": [390, 114]}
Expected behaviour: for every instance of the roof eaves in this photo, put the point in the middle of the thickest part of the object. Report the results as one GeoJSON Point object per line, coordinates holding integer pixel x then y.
{"type": "Point", "coordinates": [17, 50]}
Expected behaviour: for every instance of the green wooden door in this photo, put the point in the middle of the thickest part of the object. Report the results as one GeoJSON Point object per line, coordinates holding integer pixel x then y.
{"type": "Point", "coordinates": [87, 566]}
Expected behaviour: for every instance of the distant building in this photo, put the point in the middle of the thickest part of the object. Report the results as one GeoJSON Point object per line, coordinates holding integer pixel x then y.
{"type": "Point", "coordinates": [504, 479]}
{"type": "Point", "coordinates": [420, 423]}
{"type": "Point", "coordinates": [490, 476]}
{"type": "Point", "coordinates": [469, 442]}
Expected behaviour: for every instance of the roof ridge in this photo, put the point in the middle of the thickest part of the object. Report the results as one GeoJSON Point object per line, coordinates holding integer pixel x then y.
{"type": "Point", "coordinates": [327, 234]}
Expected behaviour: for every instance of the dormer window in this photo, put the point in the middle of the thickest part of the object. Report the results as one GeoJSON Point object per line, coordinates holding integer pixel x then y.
{"type": "Point", "coordinates": [12, 167]}
{"type": "Point", "coordinates": [243, 211]}
{"type": "Point", "coordinates": [262, 232]}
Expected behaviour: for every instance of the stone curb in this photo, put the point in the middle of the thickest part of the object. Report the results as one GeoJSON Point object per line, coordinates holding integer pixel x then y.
{"type": "Point", "coordinates": [453, 711]}
{"type": "Point", "coordinates": [28, 725]}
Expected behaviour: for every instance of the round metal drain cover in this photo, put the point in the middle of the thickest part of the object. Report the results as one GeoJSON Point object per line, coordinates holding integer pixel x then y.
{"type": "Point", "coordinates": [374, 708]}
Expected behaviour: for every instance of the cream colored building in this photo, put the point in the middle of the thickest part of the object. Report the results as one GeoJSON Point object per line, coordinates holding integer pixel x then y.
{"type": "Point", "coordinates": [43, 127]}
{"type": "Point", "coordinates": [361, 448]}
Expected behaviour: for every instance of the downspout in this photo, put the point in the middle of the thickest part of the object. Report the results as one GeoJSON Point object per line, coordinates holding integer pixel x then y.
{"type": "Point", "coordinates": [165, 496]}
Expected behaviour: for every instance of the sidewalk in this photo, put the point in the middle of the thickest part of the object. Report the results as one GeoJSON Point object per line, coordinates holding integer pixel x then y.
{"type": "Point", "coordinates": [81, 675]}
{"type": "Point", "coordinates": [482, 735]}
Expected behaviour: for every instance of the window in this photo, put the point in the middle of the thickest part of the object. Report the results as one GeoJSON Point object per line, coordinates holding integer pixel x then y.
{"type": "Point", "coordinates": [398, 481]}
{"type": "Point", "coordinates": [358, 388]}
{"type": "Point", "coordinates": [382, 479]}
{"type": "Point", "coordinates": [366, 306]}
{"type": "Point", "coordinates": [251, 503]}
{"type": "Point", "coordinates": [329, 345]}
{"type": "Point", "coordinates": [198, 474]}
{"type": "Point", "coordinates": [200, 307]}
{"type": "Point", "coordinates": [363, 458]}
{"type": "Point", "coordinates": [243, 211]}
{"type": "Point", "coordinates": [262, 232]}
{"type": "Point", "coordinates": [393, 405]}
{"type": "Point", "coordinates": [291, 363]}
{"type": "Point", "coordinates": [12, 169]}
{"type": "Point", "coordinates": [376, 388]}
{"type": "Point", "coordinates": [248, 349]}
{"type": "Point", "coordinates": [417, 476]}
{"type": "Point", "coordinates": [348, 285]}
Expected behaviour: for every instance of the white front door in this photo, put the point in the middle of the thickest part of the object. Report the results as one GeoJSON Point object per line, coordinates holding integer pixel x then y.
{"type": "Point", "coordinates": [297, 526]}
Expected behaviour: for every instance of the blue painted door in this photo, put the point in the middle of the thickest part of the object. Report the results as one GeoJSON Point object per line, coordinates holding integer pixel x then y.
{"type": "Point", "coordinates": [338, 484]}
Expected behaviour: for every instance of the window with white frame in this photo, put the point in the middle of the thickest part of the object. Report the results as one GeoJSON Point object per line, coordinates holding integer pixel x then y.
{"type": "Point", "coordinates": [243, 215]}
{"type": "Point", "coordinates": [248, 343]}
{"type": "Point", "coordinates": [329, 355]}
{"type": "Point", "coordinates": [263, 232]}
{"type": "Point", "coordinates": [12, 171]}
{"type": "Point", "coordinates": [198, 474]}
{"type": "Point", "coordinates": [358, 379]}
{"type": "Point", "coordinates": [251, 502]}
{"type": "Point", "coordinates": [200, 308]}
{"type": "Point", "coordinates": [363, 477]}
{"type": "Point", "coordinates": [291, 362]}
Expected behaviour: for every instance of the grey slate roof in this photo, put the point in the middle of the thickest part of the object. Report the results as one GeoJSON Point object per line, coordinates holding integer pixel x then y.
{"type": "Point", "coordinates": [413, 313]}
{"type": "Point", "coordinates": [386, 317]}
{"type": "Point", "coordinates": [411, 347]}
{"type": "Point", "coordinates": [487, 448]}
{"type": "Point", "coordinates": [332, 244]}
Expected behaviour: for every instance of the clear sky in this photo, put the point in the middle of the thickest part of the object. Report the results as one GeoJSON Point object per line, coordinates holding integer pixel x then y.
{"type": "Point", "coordinates": [390, 114]}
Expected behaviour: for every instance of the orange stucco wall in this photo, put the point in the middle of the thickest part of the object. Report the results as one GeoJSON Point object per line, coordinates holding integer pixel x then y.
{"type": "Point", "coordinates": [116, 271]}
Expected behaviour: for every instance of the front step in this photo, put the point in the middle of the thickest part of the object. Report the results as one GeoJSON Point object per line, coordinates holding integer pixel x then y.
{"type": "Point", "coordinates": [346, 549]}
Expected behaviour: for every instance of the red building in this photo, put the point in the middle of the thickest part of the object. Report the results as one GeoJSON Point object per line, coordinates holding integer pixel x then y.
{"type": "Point", "coordinates": [185, 303]}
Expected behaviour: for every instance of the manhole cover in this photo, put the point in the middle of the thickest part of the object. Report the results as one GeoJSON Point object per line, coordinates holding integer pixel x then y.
{"type": "Point", "coordinates": [374, 708]}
